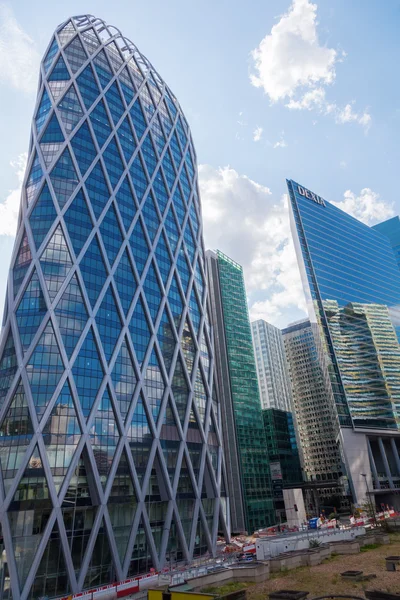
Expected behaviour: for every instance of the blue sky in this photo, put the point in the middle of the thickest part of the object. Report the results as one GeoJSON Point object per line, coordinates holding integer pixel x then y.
{"type": "Point", "coordinates": [271, 90]}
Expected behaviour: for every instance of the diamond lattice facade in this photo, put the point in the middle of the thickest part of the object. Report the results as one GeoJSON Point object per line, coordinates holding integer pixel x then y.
{"type": "Point", "coordinates": [110, 450]}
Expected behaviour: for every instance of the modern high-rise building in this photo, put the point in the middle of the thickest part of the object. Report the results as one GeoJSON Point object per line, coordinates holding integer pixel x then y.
{"type": "Point", "coordinates": [110, 447]}
{"type": "Point", "coordinates": [391, 228]}
{"type": "Point", "coordinates": [272, 368]}
{"type": "Point", "coordinates": [312, 407]}
{"type": "Point", "coordinates": [283, 454]}
{"type": "Point", "coordinates": [246, 456]}
{"type": "Point", "coordinates": [352, 286]}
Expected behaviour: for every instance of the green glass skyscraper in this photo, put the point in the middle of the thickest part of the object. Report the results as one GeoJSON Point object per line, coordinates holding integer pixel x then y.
{"type": "Point", "coordinates": [245, 447]}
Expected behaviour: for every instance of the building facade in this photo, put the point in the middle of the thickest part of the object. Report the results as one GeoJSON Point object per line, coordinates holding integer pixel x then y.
{"type": "Point", "coordinates": [246, 457]}
{"type": "Point", "coordinates": [110, 447]}
{"type": "Point", "coordinates": [391, 229]}
{"type": "Point", "coordinates": [352, 285]}
{"type": "Point", "coordinates": [283, 454]}
{"type": "Point", "coordinates": [272, 368]}
{"type": "Point", "coordinates": [312, 408]}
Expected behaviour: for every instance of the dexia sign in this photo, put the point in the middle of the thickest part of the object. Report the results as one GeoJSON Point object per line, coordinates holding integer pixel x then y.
{"type": "Point", "coordinates": [310, 195]}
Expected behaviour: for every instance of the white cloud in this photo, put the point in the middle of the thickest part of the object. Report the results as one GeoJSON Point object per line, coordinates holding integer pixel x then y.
{"type": "Point", "coordinates": [9, 209]}
{"type": "Point", "coordinates": [291, 65]}
{"type": "Point", "coordinates": [19, 58]}
{"type": "Point", "coordinates": [257, 134]}
{"type": "Point", "coordinates": [243, 219]}
{"type": "Point", "coordinates": [281, 143]}
{"type": "Point", "coordinates": [291, 56]}
{"type": "Point", "coordinates": [367, 207]}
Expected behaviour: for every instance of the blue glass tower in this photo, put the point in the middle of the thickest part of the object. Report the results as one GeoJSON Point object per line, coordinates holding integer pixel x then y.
{"type": "Point", "coordinates": [391, 228]}
{"type": "Point", "coordinates": [110, 448]}
{"type": "Point", "coordinates": [352, 285]}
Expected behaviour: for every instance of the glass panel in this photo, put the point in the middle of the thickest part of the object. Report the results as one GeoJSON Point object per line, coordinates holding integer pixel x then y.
{"type": "Point", "coordinates": [64, 178]}
{"type": "Point", "coordinates": [140, 439]}
{"type": "Point", "coordinates": [138, 177]}
{"type": "Point", "coordinates": [88, 373]}
{"type": "Point", "coordinates": [51, 140]}
{"type": "Point", "coordinates": [70, 109]}
{"type": "Point", "coordinates": [61, 435]}
{"type": "Point", "coordinates": [154, 385]}
{"type": "Point", "coordinates": [78, 222]}
{"type": "Point", "coordinates": [188, 347]}
{"type": "Point", "coordinates": [103, 69]}
{"type": "Point", "coordinates": [100, 123]}
{"type": "Point", "coordinates": [149, 154]}
{"type": "Point", "coordinates": [71, 315]}
{"type": "Point", "coordinates": [125, 282]}
{"type": "Point", "coordinates": [113, 162]}
{"type": "Point", "coordinates": [126, 139]}
{"type": "Point", "coordinates": [90, 40]}
{"type": "Point", "coordinates": [104, 437]}
{"type": "Point", "coordinates": [83, 147]}
{"type": "Point", "coordinates": [172, 230]}
{"type": "Point", "coordinates": [59, 78]}
{"type": "Point", "coordinates": [160, 192]}
{"type": "Point", "coordinates": [43, 111]}
{"type": "Point", "coordinates": [34, 179]}
{"type": "Point", "coordinates": [31, 311]}
{"type": "Point", "coordinates": [180, 390]}
{"type": "Point", "coordinates": [139, 122]}
{"type": "Point", "coordinates": [50, 55]}
{"type": "Point", "coordinates": [115, 102]}
{"type": "Point", "coordinates": [166, 340]}
{"type": "Point", "coordinates": [152, 292]}
{"type": "Point", "coordinates": [200, 397]}
{"type": "Point", "coordinates": [139, 247]}
{"type": "Point", "coordinates": [111, 234]}
{"type": "Point", "coordinates": [175, 302]}
{"type": "Point", "coordinates": [75, 54]}
{"type": "Point", "coordinates": [97, 189]}
{"type": "Point", "coordinates": [55, 262]}
{"type": "Point", "coordinates": [66, 33]}
{"type": "Point", "coordinates": [140, 331]}
{"type": "Point", "coordinates": [88, 87]}
{"type": "Point", "coordinates": [8, 366]}
{"type": "Point", "coordinates": [151, 217]}
{"type": "Point", "coordinates": [44, 369]}
{"type": "Point", "coordinates": [141, 561]}
{"type": "Point", "coordinates": [101, 568]}
{"type": "Point", "coordinates": [21, 265]}
{"type": "Point", "coordinates": [124, 379]}
{"type": "Point", "coordinates": [108, 323]}
{"type": "Point", "coordinates": [16, 432]}
{"type": "Point", "coordinates": [126, 203]}
{"type": "Point", "coordinates": [93, 271]}
{"type": "Point", "coordinates": [42, 216]}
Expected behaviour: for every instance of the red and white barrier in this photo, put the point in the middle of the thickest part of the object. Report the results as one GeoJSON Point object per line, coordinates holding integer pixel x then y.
{"type": "Point", "coordinates": [117, 590]}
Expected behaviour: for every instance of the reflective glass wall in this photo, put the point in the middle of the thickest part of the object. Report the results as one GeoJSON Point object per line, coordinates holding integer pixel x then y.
{"type": "Point", "coordinates": [110, 448]}
{"type": "Point", "coordinates": [352, 283]}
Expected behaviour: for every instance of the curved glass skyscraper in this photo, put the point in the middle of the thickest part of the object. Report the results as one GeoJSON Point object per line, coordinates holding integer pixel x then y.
{"type": "Point", "coordinates": [109, 431]}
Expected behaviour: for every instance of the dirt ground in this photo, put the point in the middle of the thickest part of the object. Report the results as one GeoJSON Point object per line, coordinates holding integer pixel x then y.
{"type": "Point", "coordinates": [325, 578]}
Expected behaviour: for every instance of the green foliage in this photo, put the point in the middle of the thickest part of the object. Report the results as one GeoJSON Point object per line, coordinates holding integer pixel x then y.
{"type": "Point", "coordinates": [314, 543]}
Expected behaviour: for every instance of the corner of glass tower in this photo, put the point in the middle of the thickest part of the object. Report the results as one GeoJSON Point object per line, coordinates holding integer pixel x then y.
{"type": "Point", "coordinates": [110, 447]}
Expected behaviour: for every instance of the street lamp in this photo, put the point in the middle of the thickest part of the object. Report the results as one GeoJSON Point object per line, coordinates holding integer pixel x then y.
{"type": "Point", "coordinates": [369, 498]}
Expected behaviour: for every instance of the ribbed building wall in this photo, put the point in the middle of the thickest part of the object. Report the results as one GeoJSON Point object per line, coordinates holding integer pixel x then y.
{"type": "Point", "coordinates": [110, 450]}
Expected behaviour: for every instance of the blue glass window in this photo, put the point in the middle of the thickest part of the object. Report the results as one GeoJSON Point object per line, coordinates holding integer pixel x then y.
{"type": "Point", "coordinates": [42, 216]}
{"type": "Point", "coordinates": [64, 178]}
{"type": "Point", "coordinates": [114, 56]}
{"type": "Point", "coordinates": [154, 385]}
{"type": "Point", "coordinates": [140, 439]}
{"type": "Point", "coordinates": [52, 133]}
{"type": "Point", "coordinates": [111, 234]}
{"type": "Point", "coordinates": [126, 139]}
{"type": "Point", "coordinates": [176, 151]}
{"type": "Point", "coordinates": [78, 222]}
{"type": "Point", "coordinates": [8, 366]}
{"type": "Point", "coordinates": [150, 217]}
{"type": "Point", "coordinates": [30, 311]}
{"type": "Point", "coordinates": [103, 69]}
{"type": "Point", "coordinates": [140, 331]}
{"type": "Point", "coordinates": [194, 219]}
{"type": "Point", "coordinates": [124, 379]}
{"type": "Point", "coordinates": [100, 123]}
{"type": "Point", "coordinates": [179, 206]}
{"type": "Point", "coordinates": [149, 154]}
{"type": "Point", "coordinates": [88, 373]}
{"type": "Point", "coordinates": [22, 262]}
{"type": "Point", "coordinates": [70, 109]}
{"type": "Point", "coordinates": [172, 230]}
{"type": "Point", "coordinates": [147, 102]}
{"type": "Point", "coordinates": [165, 118]}
{"type": "Point", "coordinates": [175, 302]}
{"type": "Point", "coordinates": [104, 436]}
{"type": "Point", "coordinates": [50, 55]}
{"type": "Point", "coordinates": [181, 133]}
{"type": "Point", "coordinates": [55, 262]}
{"type": "Point", "coordinates": [60, 71]}
{"type": "Point", "coordinates": [126, 203]}
{"type": "Point", "coordinates": [43, 111]}
{"type": "Point", "coordinates": [34, 179]}
{"type": "Point", "coordinates": [139, 178]}
{"type": "Point", "coordinates": [189, 165]}
{"type": "Point", "coordinates": [160, 192]}
{"type": "Point", "coordinates": [140, 249]}
{"type": "Point", "coordinates": [83, 147]}
{"type": "Point", "coordinates": [113, 162]}
{"type": "Point", "coordinates": [152, 292]}
{"type": "Point", "coordinates": [125, 281]}
{"type": "Point", "coordinates": [97, 189]}
{"type": "Point", "coordinates": [75, 54]}
{"type": "Point", "coordinates": [189, 242]}
{"type": "Point", "coordinates": [194, 311]}
{"type": "Point", "coordinates": [167, 340]}
{"type": "Point", "coordinates": [163, 258]}
{"type": "Point", "coordinates": [158, 134]}
{"type": "Point", "coordinates": [126, 85]}
{"type": "Point", "coordinates": [88, 86]}
{"type": "Point", "coordinates": [185, 185]}
{"type": "Point", "coordinates": [44, 369]}
{"type": "Point", "coordinates": [71, 315]}
{"type": "Point", "coordinates": [115, 102]}
{"type": "Point", "coordinates": [93, 271]}
{"type": "Point", "coordinates": [108, 323]}
{"type": "Point", "coordinates": [169, 170]}
{"type": "Point", "coordinates": [139, 122]}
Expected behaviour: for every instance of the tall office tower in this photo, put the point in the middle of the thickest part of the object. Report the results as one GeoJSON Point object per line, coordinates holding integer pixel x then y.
{"type": "Point", "coordinates": [283, 454]}
{"type": "Point", "coordinates": [109, 436]}
{"type": "Point", "coordinates": [272, 368]}
{"type": "Point", "coordinates": [391, 228]}
{"type": "Point", "coordinates": [246, 457]}
{"type": "Point", "coordinates": [352, 285]}
{"type": "Point", "coordinates": [312, 407]}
